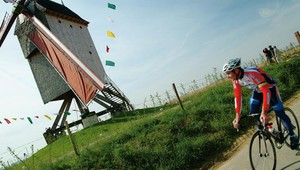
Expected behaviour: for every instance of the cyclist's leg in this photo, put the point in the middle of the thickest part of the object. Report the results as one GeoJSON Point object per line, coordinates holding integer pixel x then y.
{"type": "Point", "coordinates": [279, 110]}
{"type": "Point", "coordinates": [255, 103]}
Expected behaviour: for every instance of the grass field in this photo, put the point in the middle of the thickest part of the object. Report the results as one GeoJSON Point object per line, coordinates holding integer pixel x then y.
{"type": "Point", "coordinates": [163, 137]}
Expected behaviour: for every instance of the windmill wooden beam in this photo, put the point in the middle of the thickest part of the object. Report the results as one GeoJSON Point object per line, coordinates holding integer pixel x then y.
{"type": "Point", "coordinates": [18, 8]}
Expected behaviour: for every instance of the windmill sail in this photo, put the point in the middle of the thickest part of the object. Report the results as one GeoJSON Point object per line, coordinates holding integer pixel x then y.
{"type": "Point", "coordinates": [77, 75]}
{"type": "Point", "coordinates": [9, 1]}
{"type": "Point", "coordinates": [8, 21]}
{"type": "Point", "coordinates": [3, 21]}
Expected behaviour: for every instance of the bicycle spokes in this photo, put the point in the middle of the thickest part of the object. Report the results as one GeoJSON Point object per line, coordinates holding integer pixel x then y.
{"type": "Point", "coordinates": [262, 152]}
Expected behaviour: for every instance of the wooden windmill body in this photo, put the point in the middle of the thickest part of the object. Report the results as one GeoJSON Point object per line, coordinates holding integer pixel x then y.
{"type": "Point", "coordinates": [63, 59]}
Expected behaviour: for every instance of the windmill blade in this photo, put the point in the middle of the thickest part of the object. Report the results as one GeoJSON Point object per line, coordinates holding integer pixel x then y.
{"type": "Point", "coordinates": [8, 21]}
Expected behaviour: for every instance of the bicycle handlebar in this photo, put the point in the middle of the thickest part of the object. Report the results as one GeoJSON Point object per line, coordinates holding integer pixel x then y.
{"type": "Point", "coordinates": [250, 115]}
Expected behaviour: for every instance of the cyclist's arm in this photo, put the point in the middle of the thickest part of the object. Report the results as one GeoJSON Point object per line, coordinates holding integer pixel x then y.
{"type": "Point", "coordinates": [237, 89]}
{"type": "Point", "coordinates": [264, 88]}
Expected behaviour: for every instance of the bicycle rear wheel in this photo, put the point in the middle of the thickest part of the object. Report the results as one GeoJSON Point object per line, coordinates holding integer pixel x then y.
{"type": "Point", "coordinates": [294, 122]}
{"type": "Point", "coordinates": [262, 152]}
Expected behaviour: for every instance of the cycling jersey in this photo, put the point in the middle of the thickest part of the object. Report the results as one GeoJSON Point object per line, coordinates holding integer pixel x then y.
{"type": "Point", "coordinates": [257, 80]}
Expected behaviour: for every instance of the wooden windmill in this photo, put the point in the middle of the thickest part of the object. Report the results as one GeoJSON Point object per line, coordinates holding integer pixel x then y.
{"type": "Point", "coordinates": [63, 59]}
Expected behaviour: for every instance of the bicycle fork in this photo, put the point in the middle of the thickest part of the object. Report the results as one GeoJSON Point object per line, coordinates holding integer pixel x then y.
{"type": "Point", "coordinates": [263, 138]}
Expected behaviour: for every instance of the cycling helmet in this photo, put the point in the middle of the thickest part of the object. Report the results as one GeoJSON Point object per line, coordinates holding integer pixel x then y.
{"type": "Point", "coordinates": [232, 64]}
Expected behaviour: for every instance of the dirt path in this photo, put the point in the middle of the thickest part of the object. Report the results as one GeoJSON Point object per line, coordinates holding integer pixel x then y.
{"type": "Point", "coordinates": [242, 142]}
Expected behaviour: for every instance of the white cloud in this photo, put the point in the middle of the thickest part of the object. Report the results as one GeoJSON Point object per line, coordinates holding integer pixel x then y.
{"type": "Point", "coordinates": [266, 13]}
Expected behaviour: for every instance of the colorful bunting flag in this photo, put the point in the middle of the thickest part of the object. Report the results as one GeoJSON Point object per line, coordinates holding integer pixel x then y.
{"type": "Point", "coordinates": [48, 117]}
{"type": "Point", "coordinates": [29, 119]}
{"type": "Point", "coordinates": [107, 49]}
{"type": "Point", "coordinates": [36, 117]}
{"type": "Point", "coordinates": [67, 113]}
{"type": "Point", "coordinates": [110, 20]}
{"type": "Point", "coordinates": [112, 6]}
{"type": "Point", "coordinates": [0, 122]}
{"type": "Point", "coordinates": [7, 121]}
{"type": "Point", "coordinates": [109, 63]}
{"type": "Point", "coordinates": [110, 34]}
{"type": "Point", "coordinates": [14, 118]}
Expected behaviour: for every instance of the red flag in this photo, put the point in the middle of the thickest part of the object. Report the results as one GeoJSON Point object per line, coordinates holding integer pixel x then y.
{"type": "Point", "coordinates": [36, 117]}
{"type": "Point", "coordinates": [107, 49]}
{"type": "Point", "coordinates": [7, 121]}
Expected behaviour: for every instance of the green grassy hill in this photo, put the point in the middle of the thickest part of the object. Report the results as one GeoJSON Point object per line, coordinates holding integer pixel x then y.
{"type": "Point", "coordinates": [164, 137]}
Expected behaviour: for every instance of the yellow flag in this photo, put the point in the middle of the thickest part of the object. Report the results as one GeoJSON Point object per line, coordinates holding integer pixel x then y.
{"type": "Point", "coordinates": [110, 34]}
{"type": "Point", "coordinates": [48, 117]}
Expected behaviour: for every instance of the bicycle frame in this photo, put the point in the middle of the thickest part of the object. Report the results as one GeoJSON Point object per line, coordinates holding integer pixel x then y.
{"type": "Point", "coordinates": [262, 150]}
{"type": "Point", "coordinates": [278, 135]}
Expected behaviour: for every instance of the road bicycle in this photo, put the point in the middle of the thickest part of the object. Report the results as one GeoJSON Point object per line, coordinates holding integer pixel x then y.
{"type": "Point", "coordinates": [262, 151]}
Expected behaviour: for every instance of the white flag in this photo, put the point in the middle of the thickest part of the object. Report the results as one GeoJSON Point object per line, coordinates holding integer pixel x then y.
{"type": "Point", "coordinates": [110, 19]}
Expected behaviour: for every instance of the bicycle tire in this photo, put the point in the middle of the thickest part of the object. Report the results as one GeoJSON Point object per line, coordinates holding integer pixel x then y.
{"type": "Point", "coordinates": [262, 152]}
{"type": "Point", "coordinates": [294, 122]}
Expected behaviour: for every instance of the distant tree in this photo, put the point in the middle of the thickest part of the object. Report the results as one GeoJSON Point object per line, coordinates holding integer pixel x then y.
{"type": "Point", "coordinates": [145, 100]}
{"type": "Point", "coordinates": [152, 99]}
{"type": "Point", "coordinates": [182, 86]}
{"type": "Point", "coordinates": [17, 157]}
{"type": "Point", "coordinates": [215, 75]}
{"type": "Point", "coordinates": [168, 96]}
{"type": "Point", "coordinates": [196, 86]}
{"type": "Point", "coordinates": [158, 99]}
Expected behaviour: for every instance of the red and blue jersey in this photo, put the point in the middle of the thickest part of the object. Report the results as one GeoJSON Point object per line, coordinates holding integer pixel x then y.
{"type": "Point", "coordinates": [255, 79]}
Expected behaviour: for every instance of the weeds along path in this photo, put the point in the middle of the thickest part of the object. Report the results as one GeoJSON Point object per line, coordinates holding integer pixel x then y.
{"type": "Point", "coordinates": [103, 138]}
{"type": "Point", "coordinates": [226, 160]}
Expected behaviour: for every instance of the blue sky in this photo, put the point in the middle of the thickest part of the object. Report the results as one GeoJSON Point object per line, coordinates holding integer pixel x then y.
{"type": "Point", "coordinates": [157, 43]}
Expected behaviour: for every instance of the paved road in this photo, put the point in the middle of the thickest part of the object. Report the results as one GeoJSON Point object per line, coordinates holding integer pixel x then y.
{"type": "Point", "coordinates": [287, 159]}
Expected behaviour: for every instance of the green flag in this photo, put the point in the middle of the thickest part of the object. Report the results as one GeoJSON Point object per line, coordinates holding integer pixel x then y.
{"type": "Point", "coordinates": [112, 6]}
{"type": "Point", "coordinates": [109, 63]}
{"type": "Point", "coordinates": [29, 119]}
{"type": "Point", "coordinates": [67, 113]}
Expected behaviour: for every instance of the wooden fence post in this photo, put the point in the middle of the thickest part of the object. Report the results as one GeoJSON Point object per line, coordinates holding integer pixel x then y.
{"type": "Point", "coordinates": [174, 87]}
{"type": "Point", "coordinates": [71, 138]}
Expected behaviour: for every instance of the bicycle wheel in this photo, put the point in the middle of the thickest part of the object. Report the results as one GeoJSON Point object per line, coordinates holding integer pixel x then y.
{"type": "Point", "coordinates": [262, 152]}
{"type": "Point", "coordinates": [294, 122]}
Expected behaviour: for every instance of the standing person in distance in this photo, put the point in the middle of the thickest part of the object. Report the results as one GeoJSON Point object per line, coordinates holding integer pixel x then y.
{"type": "Point", "coordinates": [268, 55]}
{"type": "Point", "coordinates": [272, 50]}
{"type": "Point", "coordinates": [264, 94]}
{"type": "Point", "coordinates": [275, 54]}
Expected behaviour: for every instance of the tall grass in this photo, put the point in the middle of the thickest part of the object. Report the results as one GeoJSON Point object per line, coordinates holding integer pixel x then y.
{"type": "Point", "coordinates": [164, 137]}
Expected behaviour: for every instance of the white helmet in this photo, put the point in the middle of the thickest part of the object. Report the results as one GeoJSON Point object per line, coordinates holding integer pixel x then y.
{"type": "Point", "coordinates": [232, 64]}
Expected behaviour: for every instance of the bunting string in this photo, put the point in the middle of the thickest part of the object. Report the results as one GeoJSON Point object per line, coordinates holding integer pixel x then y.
{"type": "Point", "coordinates": [30, 119]}
{"type": "Point", "coordinates": [110, 34]}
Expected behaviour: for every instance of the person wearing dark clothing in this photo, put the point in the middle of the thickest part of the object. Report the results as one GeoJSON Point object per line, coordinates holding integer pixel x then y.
{"type": "Point", "coordinates": [268, 55]}
{"type": "Point", "coordinates": [271, 49]}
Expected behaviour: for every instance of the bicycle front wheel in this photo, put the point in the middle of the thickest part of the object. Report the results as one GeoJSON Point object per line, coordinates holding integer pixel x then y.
{"type": "Point", "coordinates": [289, 112]}
{"type": "Point", "coordinates": [262, 152]}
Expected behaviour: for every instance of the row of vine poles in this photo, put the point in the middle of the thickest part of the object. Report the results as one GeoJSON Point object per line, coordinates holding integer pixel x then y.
{"type": "Point", "coordinates": [18, 159]}
{"type": "Point", "coordinates": [189, 88]}
{"type": "Point", "coordinates": [195, 85]}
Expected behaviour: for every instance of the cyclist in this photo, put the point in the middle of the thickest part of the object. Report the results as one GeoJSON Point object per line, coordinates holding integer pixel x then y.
{"type": "Point", "coordinates": [264, 94]}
